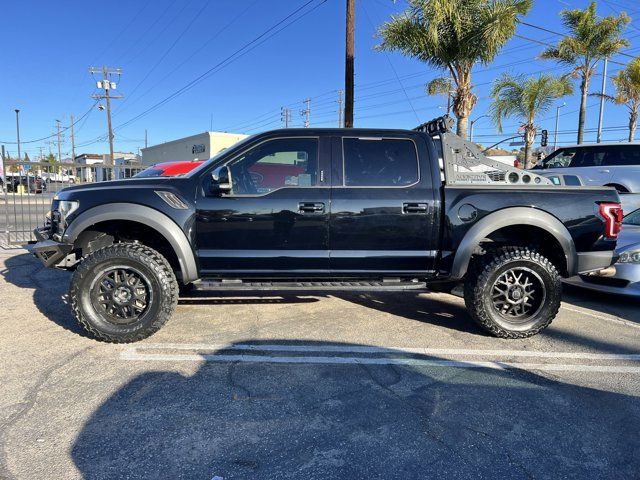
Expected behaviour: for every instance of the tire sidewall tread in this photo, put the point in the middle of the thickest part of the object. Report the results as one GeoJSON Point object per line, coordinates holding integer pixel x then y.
{"type": "Point", "coordinates": [480, 276]}
{"type": "Point", "coordinates": [145, 258]}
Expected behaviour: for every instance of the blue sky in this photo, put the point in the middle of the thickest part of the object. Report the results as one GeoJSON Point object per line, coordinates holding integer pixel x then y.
{"type": "Point", "coordinates": [163, 45]}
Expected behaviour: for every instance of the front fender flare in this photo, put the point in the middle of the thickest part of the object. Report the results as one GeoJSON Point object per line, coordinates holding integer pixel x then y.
{"type": "Point", "coordinates": [147, 216]}
{"type": "Point", "coordinates": [510, 217]}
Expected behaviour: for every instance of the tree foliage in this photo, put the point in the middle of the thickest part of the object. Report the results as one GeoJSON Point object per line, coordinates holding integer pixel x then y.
{"type": "Point", "coordinates": [454, 35]}
{"type": "Point", "coordinates": [590, 40]}
{"type": "Point", "coordinates": [525, 98]}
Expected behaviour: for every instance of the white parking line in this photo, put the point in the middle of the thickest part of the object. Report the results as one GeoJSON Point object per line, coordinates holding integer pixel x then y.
{"type": "Point", "coordinates": [154, 352]}
{"type": "Point", "coordinates": [381, 361]}
{"type": "Point", "coordinates": [378, 350]}
{"type": "Point", "coordinates": [607, 318]}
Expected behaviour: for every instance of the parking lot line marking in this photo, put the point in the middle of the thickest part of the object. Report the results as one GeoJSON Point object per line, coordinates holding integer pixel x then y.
{"type": "Point", "coordinates": [619, 321]}
{"type": "Point", "coordinates": [134, 356]}
{"type": "Point", "coordinates": [380, 350]}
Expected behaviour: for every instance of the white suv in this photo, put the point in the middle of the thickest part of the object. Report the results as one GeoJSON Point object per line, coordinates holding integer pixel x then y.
{"type": "Point", "coordinates": [615, 165]}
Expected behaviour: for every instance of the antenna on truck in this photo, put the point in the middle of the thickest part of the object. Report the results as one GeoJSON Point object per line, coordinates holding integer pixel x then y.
{"type": "Point", "coordinates": [465, 164]}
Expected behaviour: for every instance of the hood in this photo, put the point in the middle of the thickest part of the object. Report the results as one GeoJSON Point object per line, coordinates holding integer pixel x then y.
{"type": "Point", "coordinates": [629, 235]}
{"type": "Point", "coordinates": [149, 182]}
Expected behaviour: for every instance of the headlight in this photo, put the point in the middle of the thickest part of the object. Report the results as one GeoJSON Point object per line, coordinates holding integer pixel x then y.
{"type": "Point", "coordinates": [632, 256]}
{"type": "Point", "coordinates": [67, 207]}
{"type": "Point", "coordinates": [61, 212]}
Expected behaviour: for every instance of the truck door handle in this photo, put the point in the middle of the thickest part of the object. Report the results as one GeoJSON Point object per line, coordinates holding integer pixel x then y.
{"type": "Point", "coordinates": [414, 208]}
{"type": "Point", "coordinates": [311, 207]}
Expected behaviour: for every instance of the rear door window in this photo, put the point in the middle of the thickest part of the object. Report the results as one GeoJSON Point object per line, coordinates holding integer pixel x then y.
{"type": "Point", "coordinates": [379, 162]}
{"type": "Point", "coordinates": [622, 155]}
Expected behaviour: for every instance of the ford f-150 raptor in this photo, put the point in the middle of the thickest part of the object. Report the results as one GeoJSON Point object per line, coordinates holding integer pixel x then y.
{"type": "Point", "coordinates": [330, 209]}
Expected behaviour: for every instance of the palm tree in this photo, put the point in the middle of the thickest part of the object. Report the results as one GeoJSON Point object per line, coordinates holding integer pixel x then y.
{"type": "Point", "coordinates": [627, 83]}
{"type": "Point", "coordinates": [590, 40]}
{"type": "Point", "coordinates": [454, 35]}
{"type": "Point", "coordinates": [526, 98]}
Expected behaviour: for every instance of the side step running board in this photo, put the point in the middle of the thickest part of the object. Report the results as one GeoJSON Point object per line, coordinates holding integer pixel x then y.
{"type": "Point", "coordinates": [312, 286]}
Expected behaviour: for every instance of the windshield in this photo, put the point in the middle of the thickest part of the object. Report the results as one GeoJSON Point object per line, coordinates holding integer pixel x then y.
{"type": "Point", "coordinates": [632, 219]}
{"type": "Point", "coordinates": [149, 172]}
{"type": "Point", "coordinates": [235, 146]}
{"type": "Point", "coordinates": [559, 159]}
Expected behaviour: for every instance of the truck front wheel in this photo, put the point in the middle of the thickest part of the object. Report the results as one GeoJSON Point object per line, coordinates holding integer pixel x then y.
{"type": "Point", "coordinates": [513, 292]}
{"type": "Point", "coordinates": [123, 293]}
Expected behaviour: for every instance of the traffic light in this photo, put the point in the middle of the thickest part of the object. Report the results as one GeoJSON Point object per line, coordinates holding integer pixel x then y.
{"type": "Point", "coordinates": [544, 138]}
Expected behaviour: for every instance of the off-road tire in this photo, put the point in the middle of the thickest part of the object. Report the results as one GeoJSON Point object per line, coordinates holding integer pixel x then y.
{"type": "Point", "coordinates": [162, 287]}
{"type": "Point", "coordinates": [479, 290]}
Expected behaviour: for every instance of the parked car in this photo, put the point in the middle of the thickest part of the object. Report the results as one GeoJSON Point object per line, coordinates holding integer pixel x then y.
{"type": "Point", "coordinates": [59, 177]}
{"type": "Point", "coordinates": [562, 179]}
{"type": "Point", "coordinates": [169, 169]}
{"type": "Point", "coordinates": [32, 183]}
{"type": "Point", "coordinates": [329, 209]}
{"type": "Point", "coordinates": [624, 277]}
{"type": "Point", "coordinates": [615, 165]}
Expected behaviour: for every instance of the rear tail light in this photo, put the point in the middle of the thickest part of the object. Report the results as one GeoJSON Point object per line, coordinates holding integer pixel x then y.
{"type": "Point", "coordinates": [612, 215]}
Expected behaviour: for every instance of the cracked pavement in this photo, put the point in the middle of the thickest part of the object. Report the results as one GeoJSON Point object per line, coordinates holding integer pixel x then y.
{"type": "Point", "coordinates": [284, 385]}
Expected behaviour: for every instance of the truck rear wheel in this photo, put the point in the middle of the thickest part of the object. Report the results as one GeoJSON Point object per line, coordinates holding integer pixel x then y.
{"type": "Point", "coordinates": [123, 293]}
{"type": "Point", "coordinates": [513, 292]}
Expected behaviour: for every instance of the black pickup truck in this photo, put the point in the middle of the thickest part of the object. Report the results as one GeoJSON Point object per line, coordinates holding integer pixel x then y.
{"type": "Point", "coordinates": [330, 209]}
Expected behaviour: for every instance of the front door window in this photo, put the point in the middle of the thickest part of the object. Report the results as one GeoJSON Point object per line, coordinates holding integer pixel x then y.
{"type": "Point", "coordinates": [276, 164]}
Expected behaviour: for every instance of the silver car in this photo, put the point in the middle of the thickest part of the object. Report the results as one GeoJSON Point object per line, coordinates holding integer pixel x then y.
{"type": "Point", "coordinates": [624, 277]}
{"type": "Point", "coordinates": [615, 165]}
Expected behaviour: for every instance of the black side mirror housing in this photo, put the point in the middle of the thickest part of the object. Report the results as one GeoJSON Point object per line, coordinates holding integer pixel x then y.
{"type": "Point", "coordinates": [221, 180]}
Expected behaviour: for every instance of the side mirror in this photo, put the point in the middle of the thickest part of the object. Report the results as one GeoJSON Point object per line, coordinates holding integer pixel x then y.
{"type": "Point", "coordinates": [221, 180]}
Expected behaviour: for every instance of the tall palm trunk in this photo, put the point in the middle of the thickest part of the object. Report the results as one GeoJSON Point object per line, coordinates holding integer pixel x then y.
{"type": "Point", "coordinates": [529, 138]}
{"type": "Point", "coordinates": [463, 101]}
{"type": "Point", "coordinates": [584, 91]}
{"type": "Point", "coordinates": [633, 121]}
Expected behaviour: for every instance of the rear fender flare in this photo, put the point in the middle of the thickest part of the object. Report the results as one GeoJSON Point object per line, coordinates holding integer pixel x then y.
{"type": "Point", "coordinates": [512, 217]}
{"type": "Point", "coordinates": [160, 222]}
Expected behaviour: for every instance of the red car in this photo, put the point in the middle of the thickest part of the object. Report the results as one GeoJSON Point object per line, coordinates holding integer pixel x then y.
{"type": "Point", "coordinates": [169, 169]}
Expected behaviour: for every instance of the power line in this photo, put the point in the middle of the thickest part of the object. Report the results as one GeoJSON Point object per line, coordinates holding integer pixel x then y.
{"type": "Point", "coordinates": [268, 33]}
{"type": "Point", "coordinates": [562, 34]}
{"type": "Point", "coordinates": [186, 60]}
{"type": "Point", "coordinates": [168, 50]}
{"type": "Point", "coordinates": [53, 134]}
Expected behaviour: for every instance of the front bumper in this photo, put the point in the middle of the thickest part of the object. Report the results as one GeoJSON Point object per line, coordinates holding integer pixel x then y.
{"type": "Point", "coordinates": [592, 261]}
{"type": "Point", "coordinates": [625, 280]}
{"type": "Point", "coordinates": [50, 252]}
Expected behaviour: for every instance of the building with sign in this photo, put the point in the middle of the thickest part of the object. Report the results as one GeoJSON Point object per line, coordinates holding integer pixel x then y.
{"type": "Point", "coordinates": [196, 147]}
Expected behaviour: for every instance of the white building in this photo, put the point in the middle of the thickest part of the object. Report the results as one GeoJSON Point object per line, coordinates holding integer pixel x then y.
{"type": "Point", "coordinates": [196, 147]}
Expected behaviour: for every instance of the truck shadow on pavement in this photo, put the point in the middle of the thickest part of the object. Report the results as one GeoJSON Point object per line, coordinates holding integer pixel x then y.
{"type": "Point", "coordinates": [50, 288]}
{"type": "Point", "coordinates": [365, 419]}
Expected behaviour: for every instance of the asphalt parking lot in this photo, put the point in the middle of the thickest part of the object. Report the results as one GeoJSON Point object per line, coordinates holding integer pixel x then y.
{"type": "Point", "coordinates": [281, 385]}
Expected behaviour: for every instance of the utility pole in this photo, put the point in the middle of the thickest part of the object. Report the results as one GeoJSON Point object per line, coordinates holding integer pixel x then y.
{"type": "Point", "coordinates": [18, 132]}
{"type": "Point", "coordinates": [306, 113]}
{"type": "Point", "coordinates": [348, 65]}
{"type": "Point", "coordinates": [145, 138]}
{"type": "Point", "coordinates": [58, 135]}
{"type": "Point", "coordinates": [555, 134]}
{"type": "Point", "coordinates": [73, 142]}
{"type": "Point", "coordinates": [41, 153]}
{"type": "Point", "coordinates": [285, 116]}
{"type": "Point", "coordinates": [340, 108]}
{"type": "Point", "coordinates": [106, 84]}
{"type": "Point", "coordinates": [604, 86]}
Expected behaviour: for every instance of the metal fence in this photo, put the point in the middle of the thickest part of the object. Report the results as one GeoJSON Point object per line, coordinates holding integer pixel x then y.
{"type": "Point", "coordinates": [27, 189]}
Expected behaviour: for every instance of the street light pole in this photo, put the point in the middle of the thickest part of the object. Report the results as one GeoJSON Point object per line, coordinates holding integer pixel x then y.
{"type": "Point", "coordinates": [555, 134]}
{"type": "Point", "coordinates": [471, 126]}
{"type": "Point", "coordinates": [18, 132]}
